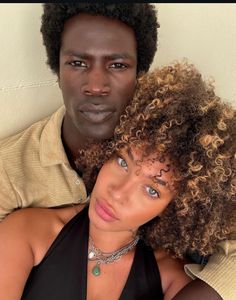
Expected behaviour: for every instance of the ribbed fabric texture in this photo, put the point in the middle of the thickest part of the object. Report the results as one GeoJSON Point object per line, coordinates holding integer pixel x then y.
{"type": "Point", "coordinates": [220, 271]}
{"type": "Point", "coordinates": [35, 170]}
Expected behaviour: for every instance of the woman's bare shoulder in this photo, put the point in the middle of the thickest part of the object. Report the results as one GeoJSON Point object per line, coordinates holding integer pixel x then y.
{"type": "Point", "coordinates": [31, 218]}
{"type": "Point", "coordinates": [26, 220]}
{"type": "Point", "coordinates": [172, 273]}
{"type": "Point", "coordinates": [37, 227]}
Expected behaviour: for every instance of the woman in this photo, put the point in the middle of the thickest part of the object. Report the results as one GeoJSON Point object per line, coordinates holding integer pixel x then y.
{"type": "Point", "coordinates": [167, 188]}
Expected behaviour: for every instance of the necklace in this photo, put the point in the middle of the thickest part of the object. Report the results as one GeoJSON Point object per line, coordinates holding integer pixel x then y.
{"type": "Point", "coordinates": [95, 254]}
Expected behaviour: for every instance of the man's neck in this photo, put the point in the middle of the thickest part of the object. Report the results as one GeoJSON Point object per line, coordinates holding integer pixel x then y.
{"type": "Point", "coordinates": [72, 143]}
{"type": "Point", "coordinates": [71, 155]}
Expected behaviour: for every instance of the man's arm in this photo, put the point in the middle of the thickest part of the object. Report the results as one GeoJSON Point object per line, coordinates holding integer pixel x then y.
{"type": "Point", "coordinates": [217, 280]}
{"type": "Point", "coordinates": [196, 290]}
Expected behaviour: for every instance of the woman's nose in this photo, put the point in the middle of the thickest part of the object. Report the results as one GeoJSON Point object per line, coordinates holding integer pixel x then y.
{"type": "Point", "coordinates": [120, 191]}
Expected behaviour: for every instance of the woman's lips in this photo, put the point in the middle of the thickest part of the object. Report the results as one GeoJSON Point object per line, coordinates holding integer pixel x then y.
{"type": "Point", "coordinates": [104, 212]}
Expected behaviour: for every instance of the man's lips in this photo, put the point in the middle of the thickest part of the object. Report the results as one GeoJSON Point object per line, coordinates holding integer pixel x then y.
{"type": "Point", "coordinates": [96, 113]}
{"type": "Point", "coordinates": [96, 116]}
{"type": "Point", "coordinates": [104, 211]}
{"type": "Point", "coordinates": [89, 106]}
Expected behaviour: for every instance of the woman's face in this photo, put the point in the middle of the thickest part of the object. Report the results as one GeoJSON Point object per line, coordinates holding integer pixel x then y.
{"type": "Point", "coordinates": [129, 192]}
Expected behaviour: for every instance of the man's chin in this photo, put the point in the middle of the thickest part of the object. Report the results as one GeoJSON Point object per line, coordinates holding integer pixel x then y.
{"type": "Point", "coordinates": [99, 136]}
{"type": "Point", "coordinates": [92, 141]}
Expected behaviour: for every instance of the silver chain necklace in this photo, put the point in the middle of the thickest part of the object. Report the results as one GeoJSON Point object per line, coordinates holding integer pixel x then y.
{"type": "Point", "coordinates": [95, 254]}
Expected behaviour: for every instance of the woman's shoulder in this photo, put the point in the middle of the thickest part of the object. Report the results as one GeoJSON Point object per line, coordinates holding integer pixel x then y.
{"type": "Point", "coordinates": [37, 227]}
{"type": "Point", "coordinates": [25, 221]}
{"type": "Point", "coordinates": [25, 237]}
{"type": "Point", "coordinates": [172, 273]}
{"type": "Point", "coordinates": [32, 218]}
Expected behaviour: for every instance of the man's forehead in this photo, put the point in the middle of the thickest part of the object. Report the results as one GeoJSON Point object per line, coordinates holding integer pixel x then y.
{"type": "Point", "coordinates": [97, 22]}
{"type": "Point", "coordinates": [81, 35]}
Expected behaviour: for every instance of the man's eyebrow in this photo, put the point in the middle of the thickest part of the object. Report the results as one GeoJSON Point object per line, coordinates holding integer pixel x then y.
{"type": "Point", "coordinates": [118, 56]}
{"type": "Point", "coordinates": [75, 53]}
{"type": "Point", "coordinates": [111, 56]}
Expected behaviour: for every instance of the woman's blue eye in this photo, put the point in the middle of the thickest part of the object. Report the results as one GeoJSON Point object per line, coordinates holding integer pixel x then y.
{"type": "Point", "coordinates": [122, 162]}
{"type": "Point", "coordinates": [152, 192]}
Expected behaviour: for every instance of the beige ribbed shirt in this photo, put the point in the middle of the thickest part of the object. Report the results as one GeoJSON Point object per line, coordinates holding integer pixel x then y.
{"type": "Point", "coordinates": [35, 170]}
{"type": "Point", "coordinates": [220, 271]}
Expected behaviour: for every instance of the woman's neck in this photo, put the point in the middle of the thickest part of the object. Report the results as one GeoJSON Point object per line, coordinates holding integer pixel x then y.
{"type": "Point", "coordinates": [109, 241]}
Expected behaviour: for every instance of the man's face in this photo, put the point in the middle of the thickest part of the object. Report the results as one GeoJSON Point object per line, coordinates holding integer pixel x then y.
{"type": "Point", "coordinates": [98, 62]}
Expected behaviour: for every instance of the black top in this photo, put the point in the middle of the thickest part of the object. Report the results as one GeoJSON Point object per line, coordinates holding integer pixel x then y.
{"type": "Point", "coordinates": [62, 274]}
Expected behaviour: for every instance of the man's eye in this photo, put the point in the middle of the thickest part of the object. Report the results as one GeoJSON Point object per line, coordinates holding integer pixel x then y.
{"type": "Point", "coordinates": [152, 192]}
{"type": "Point", "coordinates": [118, 66]}
{"type": "Point", "coordinates": [78, 63]}
{"type": "Point", "coordinates": [122, 162]}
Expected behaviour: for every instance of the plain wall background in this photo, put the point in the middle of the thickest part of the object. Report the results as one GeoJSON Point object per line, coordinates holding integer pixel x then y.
{"type": "Point", "coordinates": [205, 34]}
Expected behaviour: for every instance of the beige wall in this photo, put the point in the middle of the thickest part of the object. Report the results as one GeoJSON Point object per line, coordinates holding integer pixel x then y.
{"type": "Point", "coordinates": [28, 90]}
{"type": "Point", "coordinates": [206, 35]}
{"type": "Point", "coordinates": [203, 33]}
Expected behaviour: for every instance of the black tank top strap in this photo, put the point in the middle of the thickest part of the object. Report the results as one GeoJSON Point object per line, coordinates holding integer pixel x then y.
{"type": "Point", "coordinates": [62, 274]}
{"type": "Point", "coordinates": [144, 280]}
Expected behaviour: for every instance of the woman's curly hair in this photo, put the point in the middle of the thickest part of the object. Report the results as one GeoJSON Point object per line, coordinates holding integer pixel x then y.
{"type": "Point", "coordinates": [140, 16]}
{"type": "Point", "coordinates": [177, 114]}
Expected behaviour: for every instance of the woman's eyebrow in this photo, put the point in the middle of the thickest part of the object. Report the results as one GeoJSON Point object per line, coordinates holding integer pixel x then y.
{"type": "Point", "coordinates": [160, 181]}
{"type": "Point", "coordinates": [130, 154]}
{"type": "Point", "coordinates": [156, 178]}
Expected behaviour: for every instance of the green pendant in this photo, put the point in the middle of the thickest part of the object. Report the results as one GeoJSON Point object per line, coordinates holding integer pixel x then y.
{"type": "Point", "coordinates": [96, 270]}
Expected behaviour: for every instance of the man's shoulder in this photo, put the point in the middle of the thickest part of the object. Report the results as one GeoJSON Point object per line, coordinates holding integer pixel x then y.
{"type": "Point", "coordinates": [25, 135]}
{"type": "Point", "coordinates": [29, 137]}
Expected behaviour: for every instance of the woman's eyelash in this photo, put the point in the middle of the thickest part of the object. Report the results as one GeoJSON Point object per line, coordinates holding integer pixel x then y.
{"type": "Point", "coordinates": [150, 191]}
{"type": "Point", "coordinates": [122, 162]}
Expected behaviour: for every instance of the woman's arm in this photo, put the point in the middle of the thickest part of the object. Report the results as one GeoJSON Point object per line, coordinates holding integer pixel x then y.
{"type": "Point", "coordinates": [16, 255]}
{"type": "Point", "coordinates": [25, 237]}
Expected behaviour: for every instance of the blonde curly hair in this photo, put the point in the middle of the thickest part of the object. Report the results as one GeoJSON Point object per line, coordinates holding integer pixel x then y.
{"type": "Point", "coordinates": [177, 114]}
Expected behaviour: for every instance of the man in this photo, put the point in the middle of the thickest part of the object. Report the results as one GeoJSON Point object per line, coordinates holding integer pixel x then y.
{"type": "Point", "coordinates": [97, 51]}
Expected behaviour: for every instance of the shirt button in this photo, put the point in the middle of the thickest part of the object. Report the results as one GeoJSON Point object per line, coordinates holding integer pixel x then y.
{"type": "Point", "coordinates": [77, 181]}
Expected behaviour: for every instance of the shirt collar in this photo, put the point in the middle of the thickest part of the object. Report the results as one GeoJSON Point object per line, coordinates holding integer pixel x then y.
{"type": "Point", "coordinates": [51, 148]}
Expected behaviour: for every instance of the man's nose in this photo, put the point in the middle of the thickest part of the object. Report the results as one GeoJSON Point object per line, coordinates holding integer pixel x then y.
{"type": "Point", "coordinates": [97, 83]}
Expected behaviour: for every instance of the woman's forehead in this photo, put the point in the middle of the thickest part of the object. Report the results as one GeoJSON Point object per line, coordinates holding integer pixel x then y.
{"type": "Point", "coordinates": [143, 153]}
{"type": "Point", "coordinates": [152, 163]}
